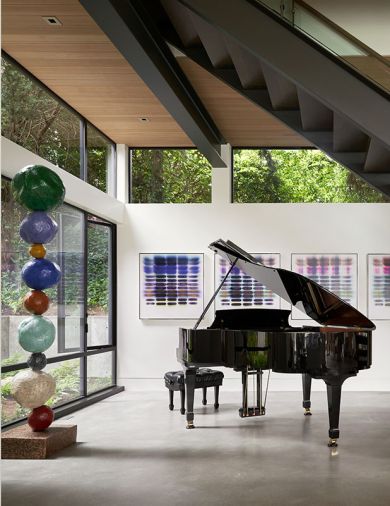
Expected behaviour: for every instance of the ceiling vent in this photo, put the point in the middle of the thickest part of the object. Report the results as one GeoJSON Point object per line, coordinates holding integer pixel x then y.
{"type": "Point", "coordinates": [52, 20]}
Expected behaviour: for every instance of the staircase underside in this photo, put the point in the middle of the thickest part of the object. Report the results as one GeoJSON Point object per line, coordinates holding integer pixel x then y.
{"type": "Point", "coordinates": [334, 110]}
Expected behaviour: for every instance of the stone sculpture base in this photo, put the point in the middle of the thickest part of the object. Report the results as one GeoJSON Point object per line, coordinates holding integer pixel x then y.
{"type": "Point", "coordinates": [22, 443]}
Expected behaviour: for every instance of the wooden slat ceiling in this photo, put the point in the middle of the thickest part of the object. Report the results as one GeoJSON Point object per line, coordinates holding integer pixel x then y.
{"type": "Point", "coordinates": [79, 63]}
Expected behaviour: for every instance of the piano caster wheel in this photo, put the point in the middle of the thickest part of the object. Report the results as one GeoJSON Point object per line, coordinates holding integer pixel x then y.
{"type": "Point", "coordinates": [332, 443]}
{"type": "Point", "coordinates": [307, 412]}
{"type": "Point", "coordinates": [216, 406]}
{"type": "Point", "coordinates": [204, 403]}
{"type": "Point", "coordinates": [190, 425]}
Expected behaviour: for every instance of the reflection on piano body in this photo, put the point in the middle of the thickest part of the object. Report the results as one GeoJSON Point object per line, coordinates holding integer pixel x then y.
{"type": "Point", "coordinates": [253, 340]}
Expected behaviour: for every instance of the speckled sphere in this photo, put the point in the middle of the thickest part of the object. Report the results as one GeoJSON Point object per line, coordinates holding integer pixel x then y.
{"type": "Point", "coordinates": [37, 361]}
{"type": "Point", "coordinates": [37, 250]}
{"type": "Point", "coordinates": [31, 389]}
{"type": "Point", "coordinates": [36, 334]}
{"type": "Point", "coordinates": [38, 188]}
{"type": "Point", "coordinates": [36, 302]}
{"type": "Point", "coordinates": [41, 273]}
{"type": "Point", "coordinates": [38, 228]}
{"type": "Point", "coordinates": [41, 418]}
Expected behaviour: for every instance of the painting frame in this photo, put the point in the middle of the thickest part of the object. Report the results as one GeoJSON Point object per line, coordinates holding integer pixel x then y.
{"type": "Point", "coordinates": [170, 314]}
{"type": "Point", "coordinates": [296, 314]}
{"type": "Point", "coordinates": [372, 313]}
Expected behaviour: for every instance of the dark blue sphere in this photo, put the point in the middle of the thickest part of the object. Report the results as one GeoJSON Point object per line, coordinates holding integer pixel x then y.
{"type": "Point", "coordinates": [40, 274]}
{"type": "Point", "coordinates": [38, 228]}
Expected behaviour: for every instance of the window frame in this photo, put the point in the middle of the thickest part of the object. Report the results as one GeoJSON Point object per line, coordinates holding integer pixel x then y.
{"type": "Point", "coordinates": [83, 174]}
{"type": "Point", "coordinates": [85, 351]}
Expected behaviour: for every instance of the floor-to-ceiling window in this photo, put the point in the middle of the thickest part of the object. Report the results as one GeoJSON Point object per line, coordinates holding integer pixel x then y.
{"type": "Point", "coordinates": [83, 356]}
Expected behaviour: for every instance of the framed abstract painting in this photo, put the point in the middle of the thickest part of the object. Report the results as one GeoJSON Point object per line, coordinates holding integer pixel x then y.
{"type": "Point", "coordinates": [378, 282]}
{"type": "Point", "coordinates": [241, 290]}
{"type": "Point", "coordinates": [335, 272]}
{"type": "Point", "coordinates": [171, 285]}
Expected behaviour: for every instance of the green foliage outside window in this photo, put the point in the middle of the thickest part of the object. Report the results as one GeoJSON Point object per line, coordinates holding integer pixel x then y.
{"type": "Point", "coordinates": [170, 176]}
{"type": "Point", "coordinates": [33, 118]}
{"type": "Point", "coordinates": [296, 175]}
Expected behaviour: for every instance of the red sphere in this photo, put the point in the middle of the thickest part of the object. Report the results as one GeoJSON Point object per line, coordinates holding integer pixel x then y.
{"type": "Point", "coordinates": [36, 302]}
{"type": "Point", "coordinates": [41, 418]}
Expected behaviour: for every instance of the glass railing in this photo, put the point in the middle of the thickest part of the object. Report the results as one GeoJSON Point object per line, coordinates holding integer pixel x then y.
{"type": "Point", "coordinates": [334, 39]}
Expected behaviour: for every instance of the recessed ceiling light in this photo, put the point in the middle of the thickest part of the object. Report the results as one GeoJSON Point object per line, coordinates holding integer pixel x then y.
{"type": "Point", "coordinates": [52, 20]}
{"type": "Point", "coordinates": [144, 120]}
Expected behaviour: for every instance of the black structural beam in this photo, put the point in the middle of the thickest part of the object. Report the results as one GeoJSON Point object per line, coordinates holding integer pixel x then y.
{"type": "Point", "coordinates": [131, 30]}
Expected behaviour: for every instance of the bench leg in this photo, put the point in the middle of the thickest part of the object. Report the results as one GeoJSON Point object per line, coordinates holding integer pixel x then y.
{"type": "Point", "coordinates": [182, 401]}
{"type": "Point", "coordinates": [204, 400]}
{"type": "Point", "coordinates": [171, 400]}
{"type": "Point", "coordinates": [216, 397]}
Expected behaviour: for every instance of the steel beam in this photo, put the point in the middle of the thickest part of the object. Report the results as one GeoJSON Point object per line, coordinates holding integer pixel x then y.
{"type": "Point", "coordinates": [133, 33]}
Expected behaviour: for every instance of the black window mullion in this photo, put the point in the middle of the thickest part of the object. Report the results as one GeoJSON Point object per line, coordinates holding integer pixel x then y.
{"type": "Point", "coordinates": [84, 333]}
{"type": "Point", "coordinates": [83, 150]}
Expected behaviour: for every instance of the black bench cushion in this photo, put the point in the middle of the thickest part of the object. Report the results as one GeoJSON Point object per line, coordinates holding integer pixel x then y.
{"type": "Point", "coordinates": [204, 378]}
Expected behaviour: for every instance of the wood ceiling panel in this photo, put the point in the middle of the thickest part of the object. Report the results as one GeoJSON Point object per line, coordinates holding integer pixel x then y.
{"type": "Point", "coordinates": [79, 63]}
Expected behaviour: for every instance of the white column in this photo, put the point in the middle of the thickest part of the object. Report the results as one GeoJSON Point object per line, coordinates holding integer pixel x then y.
{"type": "Point", "coordinates": [221, 178]}
{"type": "Point", "coordinates": [122, 173]}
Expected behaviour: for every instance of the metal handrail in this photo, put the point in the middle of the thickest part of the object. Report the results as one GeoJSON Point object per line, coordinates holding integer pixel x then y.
{"type": "Point", "coordinates": [341, 31]}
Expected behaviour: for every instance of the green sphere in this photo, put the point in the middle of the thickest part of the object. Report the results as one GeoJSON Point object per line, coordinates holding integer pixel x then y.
{"type": "Point", "coordinates": [36, 334]}
{"type": "Point", "coordinates": [38, 188]}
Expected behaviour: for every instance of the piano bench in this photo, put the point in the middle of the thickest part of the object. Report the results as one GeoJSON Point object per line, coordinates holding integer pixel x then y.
{"type": "Point", "coordinates": [204, 378]}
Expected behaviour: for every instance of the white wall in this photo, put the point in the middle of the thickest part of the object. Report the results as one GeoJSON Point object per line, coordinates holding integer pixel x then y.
{"type": "Point", "coordinates": [147, 348]}
{"type": "Point", "coordinates": [367, 20]}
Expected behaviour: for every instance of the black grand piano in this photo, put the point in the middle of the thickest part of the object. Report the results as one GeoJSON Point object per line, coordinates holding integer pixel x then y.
{"type": "Point", "coordinates": [254, 340]}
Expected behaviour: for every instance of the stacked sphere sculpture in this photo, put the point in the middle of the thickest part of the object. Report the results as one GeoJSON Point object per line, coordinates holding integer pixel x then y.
{"type": "Point", "coordinates": [40, 190]}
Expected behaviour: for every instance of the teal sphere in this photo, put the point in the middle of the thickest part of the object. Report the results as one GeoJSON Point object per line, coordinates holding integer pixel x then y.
{"type": "Point", "coordinates": [38, 188]}
{"type": "Point", "coordinates": [36, 334]}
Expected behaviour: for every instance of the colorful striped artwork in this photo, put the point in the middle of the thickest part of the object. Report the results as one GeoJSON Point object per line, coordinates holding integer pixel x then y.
{"type": "Point", "coordinates": [379, 286]}
{"type": "Point", "coordinates": [336, 273]}
{"type": "Point", "coordinates": [241, 290]}
{"type": "Point", "coordinates": [171, 285]}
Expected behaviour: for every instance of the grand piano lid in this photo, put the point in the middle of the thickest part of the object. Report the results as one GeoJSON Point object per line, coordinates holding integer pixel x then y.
{"type": "Point", "coordinates": [309, 297]}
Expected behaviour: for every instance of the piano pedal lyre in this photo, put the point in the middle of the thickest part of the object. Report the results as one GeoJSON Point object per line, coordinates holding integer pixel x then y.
{"type": "Point", "coordinates": [259, 409]}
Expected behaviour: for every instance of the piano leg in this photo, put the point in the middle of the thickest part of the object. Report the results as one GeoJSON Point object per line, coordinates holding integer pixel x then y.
{"type": "Point", "coordinates": [306, 384]}
{"type": "Point", "coordinates": [334, 398]}
{"type": "Point", "coordinates": [190, 375]}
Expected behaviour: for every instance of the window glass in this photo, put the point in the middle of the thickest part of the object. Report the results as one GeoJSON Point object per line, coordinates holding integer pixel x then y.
{"type": "Point", "coordinates": [99, 283]}
{"type": "Point", "coordinates": [33, 118]}
{"type": "Point", "coordinates": [170, 176]}
{"type": "Point", "coordinates": [100, 371]}
{"type": "Point", "coordinates": [296, 175]}
{"type": "Point", "coordinates": [100, 156]}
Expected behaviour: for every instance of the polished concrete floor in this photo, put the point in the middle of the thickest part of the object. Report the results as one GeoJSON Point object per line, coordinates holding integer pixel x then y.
{"type": "Point", "coordinates": [133, 451]}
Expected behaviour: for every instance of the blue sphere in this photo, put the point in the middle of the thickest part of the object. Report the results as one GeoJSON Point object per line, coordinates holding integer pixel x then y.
{"type": "Point", "coordinates": [41, 273]}
{"type": "Point", "coordinates": [38, 228]}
